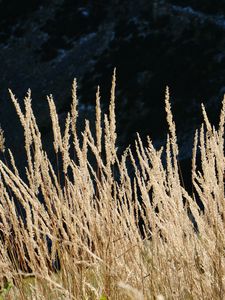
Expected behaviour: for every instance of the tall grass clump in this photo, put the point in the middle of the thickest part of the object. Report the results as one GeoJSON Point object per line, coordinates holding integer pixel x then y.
{"type": "Point", "coordinates": [79, 234]}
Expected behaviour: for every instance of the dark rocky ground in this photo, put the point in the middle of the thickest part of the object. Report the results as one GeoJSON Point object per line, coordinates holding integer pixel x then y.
{"type": "Point", "coordinates": [45, 44]}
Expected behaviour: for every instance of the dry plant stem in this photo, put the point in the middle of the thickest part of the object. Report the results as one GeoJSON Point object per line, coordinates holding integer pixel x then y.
{"type": "Point", "coordinates": [118, 226]}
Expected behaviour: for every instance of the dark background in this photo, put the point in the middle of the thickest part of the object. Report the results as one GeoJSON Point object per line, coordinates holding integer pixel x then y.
{"type": "Point", "coordinates": [45, 44]}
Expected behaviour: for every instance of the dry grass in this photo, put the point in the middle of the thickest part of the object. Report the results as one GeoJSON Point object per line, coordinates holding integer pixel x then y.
{"type": "Point", "coordinates": [92, 208]}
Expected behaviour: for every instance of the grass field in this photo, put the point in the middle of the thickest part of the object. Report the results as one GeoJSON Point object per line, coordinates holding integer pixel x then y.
{"type": "Point", "coordinates": [99, 225]}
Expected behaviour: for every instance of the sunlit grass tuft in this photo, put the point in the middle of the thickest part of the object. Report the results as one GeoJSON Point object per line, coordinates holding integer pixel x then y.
{"type": "Point", "coordinates": [102, 226]}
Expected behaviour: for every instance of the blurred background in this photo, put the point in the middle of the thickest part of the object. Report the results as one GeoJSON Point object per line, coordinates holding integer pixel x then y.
{"type": "Point", "coordinates": [180, 43]}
